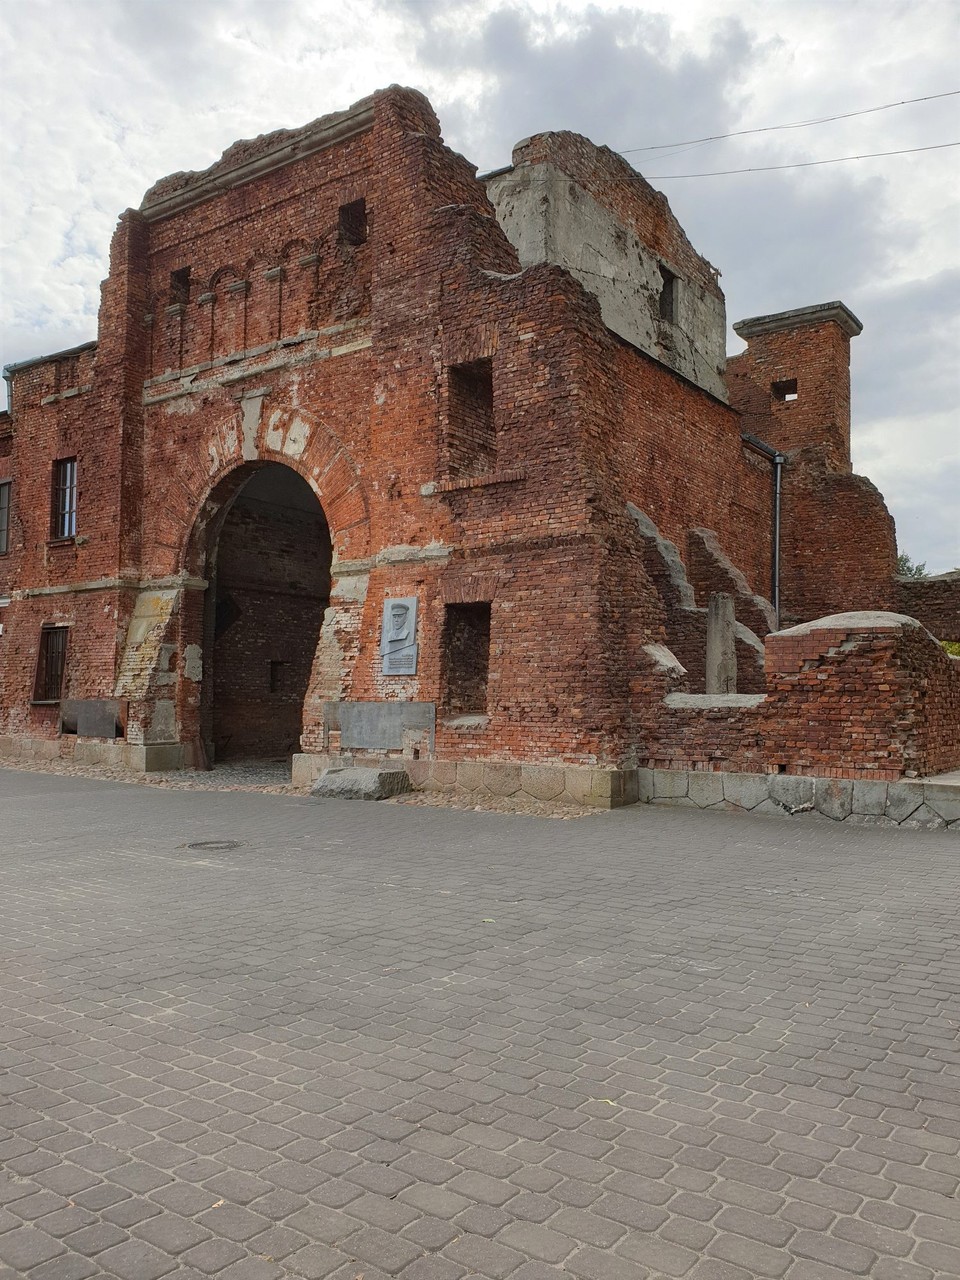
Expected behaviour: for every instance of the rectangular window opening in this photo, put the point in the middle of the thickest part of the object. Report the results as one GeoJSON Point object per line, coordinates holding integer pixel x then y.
{"type": "Point", "coordinates": [63, 514]}
{"type": "Point", "coordinates": [471, 439]}
{"type": "Point", "coordinates": [466, 658]}
{"type": "Point", "coordinates": [353, 222]}
{"type": "Point", "coordinates": [180, 285]}
{"type": "Point", "coordinates": [51, 663]}
{"type": "Point", "coordinates": [277, 681]}
{"type": "Point", "coordinates": [669, 291]}
{"type": "Point", "coordinates": [785, 391]}
{"type": "Point", "coordinates": [6, 489]}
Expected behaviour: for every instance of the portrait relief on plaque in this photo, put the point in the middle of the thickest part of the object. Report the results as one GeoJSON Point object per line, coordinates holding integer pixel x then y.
{"type": "Point", "coordinates": [398, 637]}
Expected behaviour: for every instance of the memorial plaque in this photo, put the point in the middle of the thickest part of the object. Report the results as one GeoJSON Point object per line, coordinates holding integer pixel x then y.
{"type": "Point", "coordinates": [398, 637]}
{"type": "Point", "coordinates": [379, 726]}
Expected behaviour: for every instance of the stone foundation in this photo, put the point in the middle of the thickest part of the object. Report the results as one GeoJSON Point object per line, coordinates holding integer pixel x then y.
{"type": "Point", "coordinates": [105, 753]}
{"type": "Point", "coordinates": [916, 804]}
{"type": "Point", "coordinates": [561, 784]}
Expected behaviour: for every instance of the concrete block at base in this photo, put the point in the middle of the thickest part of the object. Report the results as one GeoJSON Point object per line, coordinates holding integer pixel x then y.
{"type": "Point", "coordinates": [501, 779]}
{"type": "Point", "coordinates": [612, 788]}
{"type": "Point", "coordinates": [306, 767]}
{"type": "Point", "coordinates": [628, 787]}
{"type": "Point", "coordinates": [541, 781]}
{"type": "Point", "coordinates": [705, 789]}
{"type": "Point", "coordinates": [924, 819]}
{"type": "Point", "coordinates": [578, 785]}
{"type": "Point", "coordinates": [644, 786]}
{"type": "Point", "coordinates": [869, 797]}
{"type": "Point", "coordinates": [834, 797]}
{"type": "Point", "coordinates": [769, 806]}
{"type": "Point", "coordinates": [420, 773]}
{"type": "Point", "coordinates": [155, 757]}
{"type": "Point", "coordinates": [942, 798]}
{"type": "Point", "coordinates": [903, 799]}
{"type": "Point", "coordinates": [470, 775]}
{"type": "Point", "coordinates": [443, 773]}
{"type": "Point", "coordinates": [360, 784]}
{"type": "Point", "coordinates": [746, 790]}
{"type": "Point", "coordinates": [792, 793]}
{"type": "Point", "coordinates": [670, 784]}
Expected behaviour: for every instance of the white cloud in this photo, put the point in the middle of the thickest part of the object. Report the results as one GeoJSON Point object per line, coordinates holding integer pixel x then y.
{"type": "Point", "coordinates": [101, 98]}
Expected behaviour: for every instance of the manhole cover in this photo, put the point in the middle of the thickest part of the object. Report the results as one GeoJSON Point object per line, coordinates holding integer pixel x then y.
{"type": "Point", "coordinates": [219, 846]}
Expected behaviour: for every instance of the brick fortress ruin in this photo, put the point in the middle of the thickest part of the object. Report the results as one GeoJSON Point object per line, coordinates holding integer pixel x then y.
{"type": "Point", "coordinates": [376, 460]}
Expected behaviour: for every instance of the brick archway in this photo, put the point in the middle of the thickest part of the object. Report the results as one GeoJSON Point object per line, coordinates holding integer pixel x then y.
{"type": "Point", "coordinates": [262, 547]}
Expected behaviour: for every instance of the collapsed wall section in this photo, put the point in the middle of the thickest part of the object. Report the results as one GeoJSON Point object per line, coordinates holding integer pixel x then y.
{"type": "Point", "coordinates": [566, 201]}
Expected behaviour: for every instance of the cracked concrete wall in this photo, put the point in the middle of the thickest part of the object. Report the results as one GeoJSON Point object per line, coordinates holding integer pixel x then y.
{"type": "Point", "coordinates": [549, 217]}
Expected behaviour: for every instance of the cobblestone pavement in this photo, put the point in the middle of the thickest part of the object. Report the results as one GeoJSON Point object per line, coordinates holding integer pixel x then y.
{"type": "Point", "coordinates": [273, 778]}
{"type": "Point", "coordinates": [396, 1041]}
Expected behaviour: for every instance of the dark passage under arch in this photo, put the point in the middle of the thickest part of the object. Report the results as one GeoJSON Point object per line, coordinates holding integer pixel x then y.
{"type": "Point", "coordinates": [269, 574]}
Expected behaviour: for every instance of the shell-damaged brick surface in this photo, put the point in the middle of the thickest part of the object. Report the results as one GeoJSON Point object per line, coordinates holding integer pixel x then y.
{"type": "Point", "coordinates": [337, 369]}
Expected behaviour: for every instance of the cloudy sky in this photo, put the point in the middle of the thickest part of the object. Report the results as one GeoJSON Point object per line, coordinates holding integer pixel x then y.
{"type": "Point", "coordinates": [100, 98]}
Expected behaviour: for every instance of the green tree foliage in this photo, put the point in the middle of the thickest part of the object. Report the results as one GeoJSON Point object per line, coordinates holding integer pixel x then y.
{"type": "Point", "coordinates": [907, 569]}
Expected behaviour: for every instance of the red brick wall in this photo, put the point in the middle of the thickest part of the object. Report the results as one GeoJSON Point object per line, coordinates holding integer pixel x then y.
{"type": "Point", "coordinates": [817, 357]}
{"type": "Point", "coordinates": [935, 601]}
{"type": "Point", "coordinates": [857, 700]}
{"type": "Point", "coordinates": [334, 360]}
{"type": "Point", "coordinates": [838, 543]}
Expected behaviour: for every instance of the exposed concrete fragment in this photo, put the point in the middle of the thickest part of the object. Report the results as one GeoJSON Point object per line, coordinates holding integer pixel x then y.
{"type": "Point", "coordinates": [549, 217]}
{"type": "Point", "coordinates": [360, 784]}
{"type": "Point", "coordinates": [705, 789]}
{"type": "Point", "coordinates": [542, 781]}
{"type": "Point", "coordinates": [669, 784]}
{"type": "Point", "coordinates": [746, 790]}
{"type": "Point", "coordinates": [869, 797]}
{"type": "Point", "coordinates": [834, 797]}
{"type": "Point", "coordinates": [501, 779]}
{"type": "Point", "coordinates": [862, 620]}
{"type": "Point", "coordinates": [721, 649]}
{"type": "Point", "coordinates": [903, 800]}
{"type": "Point", "coordinates": [924, 819]}
{"type": "Point", "coordinates": [792, 793]}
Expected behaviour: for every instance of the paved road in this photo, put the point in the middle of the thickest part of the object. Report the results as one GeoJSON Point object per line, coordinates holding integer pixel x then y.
{"type": "Point", "coordinates": [392, 1041]}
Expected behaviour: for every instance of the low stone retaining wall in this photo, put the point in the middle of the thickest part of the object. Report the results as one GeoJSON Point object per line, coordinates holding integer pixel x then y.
{"type": "Point", "coordinates": [563, 784]}
{"type": "Point", "coordinates": [915, 804]}
{"type": "Point", "coordinates": [107, 753]}
{"type": "Point", "coordinates": [908, 803]}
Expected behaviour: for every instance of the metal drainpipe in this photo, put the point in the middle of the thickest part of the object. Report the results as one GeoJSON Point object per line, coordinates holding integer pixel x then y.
{"type": "Point", "coordinates": [777, 459]}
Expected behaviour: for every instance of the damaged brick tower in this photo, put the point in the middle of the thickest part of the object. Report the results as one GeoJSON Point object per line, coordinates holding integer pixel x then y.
{"type": "Point", "coordinates": [377, 460]}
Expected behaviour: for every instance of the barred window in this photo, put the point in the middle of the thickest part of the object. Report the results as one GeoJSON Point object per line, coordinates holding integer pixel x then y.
{"type": "Point", "coordinates": [63, 521]}
{"type": "Point", "coordinates": [51, 661]}
{"type": "Point", "coordinates": [5, 490]}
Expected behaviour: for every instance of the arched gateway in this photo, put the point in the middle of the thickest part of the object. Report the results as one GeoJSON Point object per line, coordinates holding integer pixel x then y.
{"type": "Point", "coordinates": [265, 552]}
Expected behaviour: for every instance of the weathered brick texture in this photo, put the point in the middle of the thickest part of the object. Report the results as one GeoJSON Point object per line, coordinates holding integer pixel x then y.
{"type": "Point", "coordinates": [934, 600]}
{"type": "Point", "coordinates": [340, 301]}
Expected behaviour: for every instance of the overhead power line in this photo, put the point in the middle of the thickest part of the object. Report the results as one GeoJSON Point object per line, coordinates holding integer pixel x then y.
{"type": "Point", "coordinates": [796, 124]}
{"type": "Point", "coordinates": [800, 164]}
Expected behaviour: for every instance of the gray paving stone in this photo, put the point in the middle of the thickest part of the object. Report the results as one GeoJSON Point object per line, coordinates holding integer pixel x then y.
{"type": "Point", "coordinates": [26, 1247]}
{"type": "Point", "coordinates": [313, 1261]}
{"type": "Point", "coordinates": [136, 1260]}
{"type": "Point", "coordinates": [663, 1042]}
